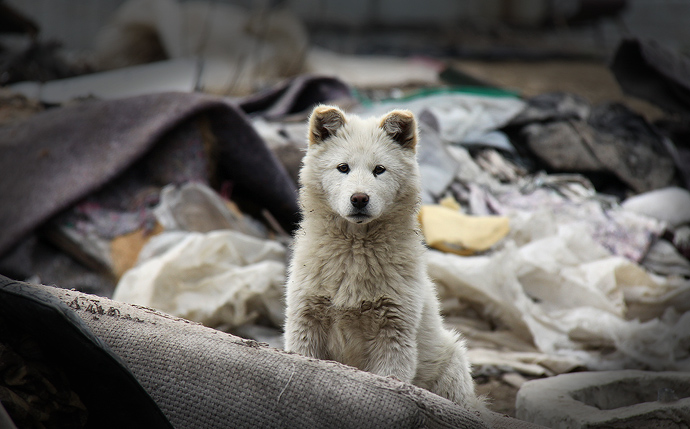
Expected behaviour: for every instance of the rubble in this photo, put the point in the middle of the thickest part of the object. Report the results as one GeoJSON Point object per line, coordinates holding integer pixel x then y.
{"type": "Point", "coordinates": [607, 399]}
{"type": "Point", "coordinates": [565, 246]}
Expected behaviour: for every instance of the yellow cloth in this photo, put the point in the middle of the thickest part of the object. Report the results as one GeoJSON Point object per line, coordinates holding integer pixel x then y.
{"type": "Point", "coordinates": [446, 228]}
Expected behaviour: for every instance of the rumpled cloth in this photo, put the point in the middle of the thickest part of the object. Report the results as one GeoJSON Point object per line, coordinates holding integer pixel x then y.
{"type": "Point", "coordinates": [460, 116]}
{"type": "Point", "coordinates": [620, 232]}
{"type": "Point", "coordinates": [567, 134]}
{"type": "Point", "coordinates": [57, 157]}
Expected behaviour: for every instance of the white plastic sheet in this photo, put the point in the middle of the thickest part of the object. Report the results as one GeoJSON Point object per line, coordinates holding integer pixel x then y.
{"type": "Point", "coordinates": [220, 277]}
{"type": "Point", "coordinates": [670, 205]}
{"type": "Point", "coordinates": [196, 207]}
{"type": "Point", "coordinates": [558, 288]}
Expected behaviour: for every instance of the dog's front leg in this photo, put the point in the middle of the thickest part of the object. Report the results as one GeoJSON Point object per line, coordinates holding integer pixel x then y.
{"type": "Point", "coordinates": [306, 329]}
{"type": "Point", "coordinates": [393, 357]}
{"type": "Point", "coordinates": [393, 350]}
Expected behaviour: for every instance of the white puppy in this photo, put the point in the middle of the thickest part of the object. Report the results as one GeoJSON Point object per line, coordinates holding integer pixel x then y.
{"type": "Point", "coordinates": [358, 290]}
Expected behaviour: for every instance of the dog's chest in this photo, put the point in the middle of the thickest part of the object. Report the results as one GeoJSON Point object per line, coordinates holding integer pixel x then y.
{"type": "Point", "coordinates": [355, 272]}
{"type": "Point", "coordinates": [355, 291]}
{"type": "Point", "coordinates": [350, 330]}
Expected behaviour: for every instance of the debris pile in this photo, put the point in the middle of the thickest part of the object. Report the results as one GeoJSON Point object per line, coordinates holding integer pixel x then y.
{"type": "Point", "coordinates": [558, 230]}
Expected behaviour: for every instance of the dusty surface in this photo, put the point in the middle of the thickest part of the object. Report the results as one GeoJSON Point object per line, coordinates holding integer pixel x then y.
{"type": "Point", "coordinates": [591, 80]}
{"type": "Point", "coordinates": [500, 395]}
{"type": "Point", "coordinates": [603, 399]}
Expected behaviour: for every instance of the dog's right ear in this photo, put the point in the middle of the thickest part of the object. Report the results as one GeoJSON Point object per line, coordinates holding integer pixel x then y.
{"type": "Point", "coordinates": [324, 122]}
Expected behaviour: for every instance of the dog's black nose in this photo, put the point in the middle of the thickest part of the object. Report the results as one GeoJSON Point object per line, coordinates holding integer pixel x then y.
{"type": "Point", "coordinates": [359, 200]}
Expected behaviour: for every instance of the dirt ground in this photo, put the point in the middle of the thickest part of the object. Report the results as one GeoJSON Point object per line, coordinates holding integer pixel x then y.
{"type": "Point", "coordinates": [500, 395]}
{"type": "Point", "coordinates": [589, 79]}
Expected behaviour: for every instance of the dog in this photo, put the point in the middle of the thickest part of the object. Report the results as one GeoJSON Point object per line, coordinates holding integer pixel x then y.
{"type": "Point", "coordinates": [358, 291]}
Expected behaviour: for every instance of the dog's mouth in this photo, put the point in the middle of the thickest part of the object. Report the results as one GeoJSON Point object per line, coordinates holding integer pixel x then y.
{"type": "Point", "coordinates": [359, 217]}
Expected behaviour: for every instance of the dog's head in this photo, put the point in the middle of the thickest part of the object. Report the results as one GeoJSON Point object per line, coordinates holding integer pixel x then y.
{"type": "Point", "coordinates": [361, 167]}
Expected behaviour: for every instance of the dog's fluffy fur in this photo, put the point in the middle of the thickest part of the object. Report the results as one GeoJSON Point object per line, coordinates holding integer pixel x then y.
{"type": "Point", "coordinates": [358, 290]}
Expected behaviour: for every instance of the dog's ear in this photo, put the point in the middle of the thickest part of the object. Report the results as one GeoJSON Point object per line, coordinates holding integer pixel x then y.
{"type": "Point", "coordinates": [401, 126]}
{"type": "Point", "coordinates": [324, 122]}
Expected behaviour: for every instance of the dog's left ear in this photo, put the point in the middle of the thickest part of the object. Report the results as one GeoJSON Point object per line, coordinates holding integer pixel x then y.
{"type": "Point", "coordinates": [401, 126]}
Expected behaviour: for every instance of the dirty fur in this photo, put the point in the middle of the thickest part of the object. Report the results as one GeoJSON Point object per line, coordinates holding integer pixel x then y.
{"type": "Point", "coordinates": [358, 290]}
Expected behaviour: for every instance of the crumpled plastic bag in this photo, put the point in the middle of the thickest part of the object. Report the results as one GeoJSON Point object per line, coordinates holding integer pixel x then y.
{"type": "Point", "coordinates": [446, 228]}
{"type": "Point", "coordinates": [215, 278]}
{"type": "Point", "coordinates": [559, 289]}
{"type": "Point", "coordinates": [196, 207]}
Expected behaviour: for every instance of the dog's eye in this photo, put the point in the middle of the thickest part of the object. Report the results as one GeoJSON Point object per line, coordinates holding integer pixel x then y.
{"type": "Point", "coordinates": [343, 168]}
{"type": "Point", "coordinates": [379, 169]}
